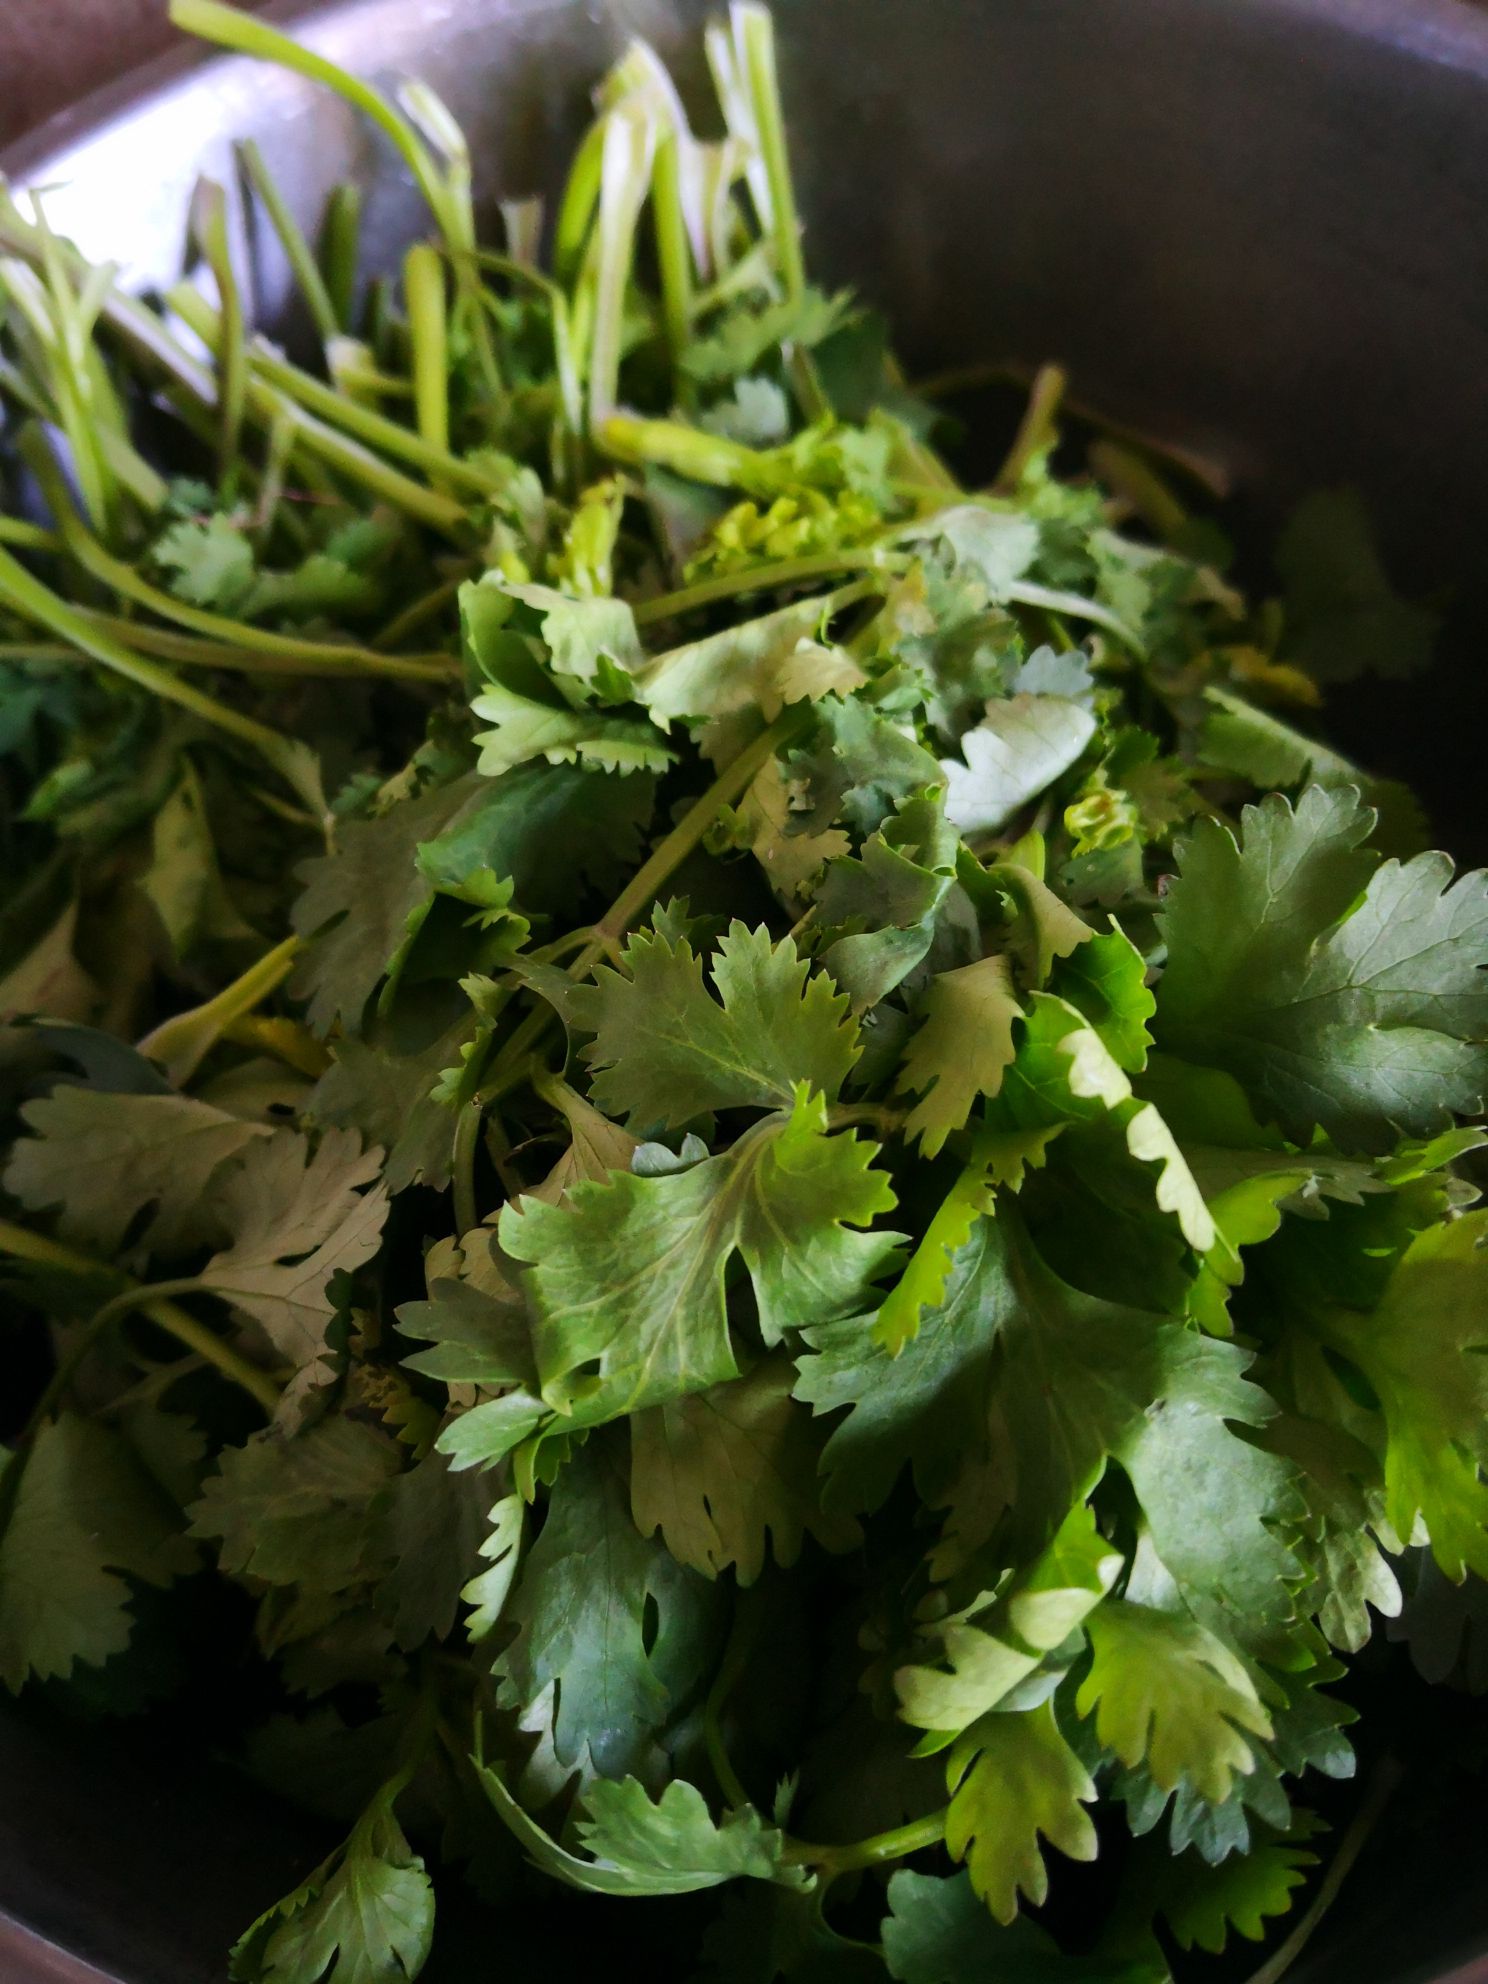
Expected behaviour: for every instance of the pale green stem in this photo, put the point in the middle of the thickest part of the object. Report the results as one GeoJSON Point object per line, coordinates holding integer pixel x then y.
{"type": "Point", "coordinates": [181, 1043]}
{"type": "Point", "coordinates": [292, 240]}
{"type": "Point", "coordinates": [21, 1244]}
{"type": "Point", "coordinates": [428, 331]}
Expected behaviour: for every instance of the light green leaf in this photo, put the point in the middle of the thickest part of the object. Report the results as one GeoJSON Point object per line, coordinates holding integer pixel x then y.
{"type": "Point", "coordinates": [721, 1471]}
{"type": "Point", "coordinates": [985, 1651]}
{"type": "Point", "coordinates": [1014, 1780]}
{"type": "Point", "coordinates": [783, 1196]}
{"type": "Point", "coordinates": [365, 1916]}
{"type": "Point", "coordinates": [1020, 747]}
{"type": "Point", "coordinates": [1169, 1693]}
{"type": "Point", "coordinates": [665, 1052]}
{"type": "Point", "coordinates": [962, 1046]}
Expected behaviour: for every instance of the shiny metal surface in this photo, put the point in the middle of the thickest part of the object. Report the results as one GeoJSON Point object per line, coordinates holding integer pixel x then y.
{"type": "Point", "coordinates": [1258, 227]}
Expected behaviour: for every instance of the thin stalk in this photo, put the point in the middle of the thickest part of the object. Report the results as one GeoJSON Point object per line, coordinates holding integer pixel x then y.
{"type": "Point", "coordinates": [340, 251]}
{"type": "Point", "coordinates": [415, 615]}
{"type": "Point", "coordinates": [193, 653]}
{"type": "Point", "coordinates": [757, 30]}
{"type": "Point", "coordinates": [670, 853]}
{"type": "Point", "coordinates": [1035, 430]}
{"type": "Point", "coordinates": [297, 253]}
{"type": "Point", "coordinates": [28, 596]}
{"type": "Point", "coordinates": [758, 578]}
{"type": "Point", "coordinates": [247, 36]}
{"type": "Point", "coordinates": [580, 196]}
{"type": "Point", "coordinates": [428, 331]}
{"type": "Point", "coordinates": [462, 1168]}
{"type": "Point", "coordinates": [21, 1244]}
{"type": "Point", "coordinates": [209, 227]}
{"type": "Point", "coordinates": [673, 250]}
{"type": "Point", "coordinates": [181, 1043]}
{"type": "Point", "coordinates": [126, 582]}
{"type": "Point", "coordinates": [1387, 1777]}
{"type": "Point", "coordinates": [872, 1852]}
{"type": "Point", "coordinates": [28, 537]}
{"type": "Point", "coordinates": [628, 152]}
{"type": "Point", "coordinates": [269, 368]}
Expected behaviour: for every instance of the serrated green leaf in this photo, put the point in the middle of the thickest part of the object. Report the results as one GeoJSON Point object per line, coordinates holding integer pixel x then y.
{"type": "Point", "coordinates": [1014, 1780]}
{"type": "Point", "coordinates": [962, 1046]}
{"type": "Point", "coordinates": [784, 1196]}
{"type": "Point", "coordinates": [665, 1052]}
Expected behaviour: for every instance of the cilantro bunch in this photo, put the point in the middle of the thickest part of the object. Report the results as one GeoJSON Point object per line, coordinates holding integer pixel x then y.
{"type": "Point", "coordinates": [748, 1134]}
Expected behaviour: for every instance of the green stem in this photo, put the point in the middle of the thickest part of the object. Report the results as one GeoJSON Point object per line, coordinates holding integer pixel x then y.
{"type": "Point", "coordinates": [24, 1245]}
{"type": "Point", "coordinates": [673, 250]}
{"type": "Point", "coordinates": [418, 612]}
{"type": "Point", "coordinates": [125, 581]}
{"type": "Point", "coordinates": [1386, 1779]}
{"type": "Point", "coordinates": [872, 1852]}
{"type": "Point", "coordinates": [181, 1043]}
{"type": "Point", "coordinates": [428, 332]}
{"type": "Point", "coordinates": [743, 1634]}
{"type": "Point", "coordinates": [764, 88]}
{"type": "Point", "coordinates": [1035, 430]}
{"type": "Point", "coordinates": [462, 1168]}
{"type": "Point", "coordinates": [340, 249]}
{"type": "Point", "coordinates": [209, 225]}
{"type": "Point", "coordinates": [315, 659]}
{"type": "Point", "coordinates": [28, 596]}
{"type": "Point", "coordinates": [670, 853]}
{"type": "Point", "coordinates": [270, 369]}
{"type": "Point", "coordinates": [1022, 592]}
{"type": "Point", "coordinates": [28, 537]}
{"type": "Point", "coordinates": [292, 240]}
{"type": "Point", "coordinates": [232, 29]}
{"type": "Point", "coordinates": [759, 578]}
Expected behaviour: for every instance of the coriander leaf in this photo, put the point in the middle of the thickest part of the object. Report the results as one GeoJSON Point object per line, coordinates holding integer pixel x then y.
{"type": "Point", "coordinates": [938, 1932]}
{"type": "Point", "coordinates": [580, 1609]}
{"type": "Point", "coordinates": [923, 1279]}
{"type": "Point", "coordinates": [1244, 1892]}
{"type": "Point", "coordinates": [365, 1916]}
{"type": "Point", "coordinates": [641, 1847]}
{"type": "Point", "coordinates": [1423, 1352]}
{"type": "Point", "coordinates": [488, 1591]}
{"type": "Point", "coordinates": [744, 667]}
{"type": "Point", "coordinates": [1168, 1692]}
{"type": "Point", "coordinates": [388, 1095]}
{"type": "Point", "coordinates": [543, 827]}
{"type": "Point", "coordinates": [782, 1196]}
{"type": "Point", "coordinates": [925, 1407]}
{"type": "Point", "coordinates": [995, 548]}
{"type": "Point", "coordinates": [300, 1509]}
{"type": "Point", "coordinates": [1343, 617]}
{"type": "Point", "coordinates": [961, 1048]}
{"type": "Point", "coordinates": [598, 1147]}
{"type": "Point", "coordinates": [581, 635]}
{"type": "Point", "coordinates": [983, 1653]}
{"type": "Point", "coordinates": [86, 1517]}
{"type": "Point", "coordinates": [886, 906]}
{"type": "Point", "coordinates": [666, 1053]}
{"type": "Point", "coordinates": [296, 1218]}
{"type": "Point", "coordinates": [721, 1471]}
{"type": "Point", "coordinates": [1363, 1014]}
{"type": "Point", "coordinates": [1014, 1779]}
{"type": "Point", "coordinates": [433, 1523]}
{"type": "Point", "coordinates": [1105, 979]}
{"type": "Point", "coordinates": [524, 728]}
{"type": "Point", "coordinates": [102, 1160]}
{"type": "Point", "coordinates": [1020, 747]}
{"type": "Point", "coordinates": [210, 562]}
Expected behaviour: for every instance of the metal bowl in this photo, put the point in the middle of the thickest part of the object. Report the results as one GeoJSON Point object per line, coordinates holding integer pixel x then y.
{"type": "Point", "coordinates": [1256, 228]}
